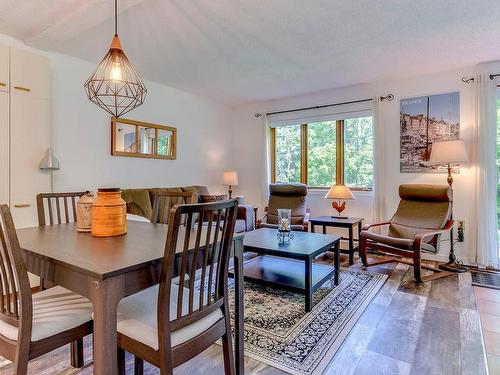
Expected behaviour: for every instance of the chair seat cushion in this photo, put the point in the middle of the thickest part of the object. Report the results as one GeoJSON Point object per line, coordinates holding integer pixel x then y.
{"type": "Point", "coordinates": [137, 317]}
{"type": "Point", "coordinates": [55, 310]}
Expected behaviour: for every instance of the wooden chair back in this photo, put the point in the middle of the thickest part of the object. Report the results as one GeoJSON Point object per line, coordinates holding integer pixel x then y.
{"type": "Point", "coordinates": [15, 291]}
{"type": "Point", "coordinates": [210, 239]}
{"type": "Point", "coordinates": [164, 202]}
{"type": "Point", "coordinates": [64, 205]}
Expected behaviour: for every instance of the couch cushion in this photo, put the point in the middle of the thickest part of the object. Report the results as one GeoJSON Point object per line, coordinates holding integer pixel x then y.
{"type": "Point", "coordinates": [138, 202]}
{"type": "Point", "coordinates": [240, 226]}
{"type": "Point", "coordinates": [196, 189]}
{"type": "Point", "coordinates": [55, 310]}
{"type": "Point", "coordinates": [137, 317]}
{"type": "Point", "coordinates": [207, 198]}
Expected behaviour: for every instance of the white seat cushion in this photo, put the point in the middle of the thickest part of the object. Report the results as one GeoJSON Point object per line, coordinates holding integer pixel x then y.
{"type": "Point", "coordinates": [55, 310]}
{"type": "Point", "coordinates": [137, 317]}
{"type": "Point", "coordinates": [137, 218]}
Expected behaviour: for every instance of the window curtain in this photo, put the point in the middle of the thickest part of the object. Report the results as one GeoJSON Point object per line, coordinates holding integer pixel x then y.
{"type": "Point", "coordinates": [378, 164]}
{"type": "Point", "coordinates": [484, 161]}
{"type": "Point", "coordinates": [266, 167]}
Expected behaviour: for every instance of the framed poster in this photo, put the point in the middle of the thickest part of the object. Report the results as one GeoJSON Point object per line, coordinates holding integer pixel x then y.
{"type": "Point", "coordinates": [424, 120]}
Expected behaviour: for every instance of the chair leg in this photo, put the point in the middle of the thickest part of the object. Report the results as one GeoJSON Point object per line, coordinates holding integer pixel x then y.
{"type": "Point", "coordinates": [138, 366]}
{"type": "Point", "coordinates": [21, 365]}
{"type": "Point", "coordinates": [227, 346]}
{"type": "Point", "coordinates": [417, 267]}
{"type": "Point", "coordinates": [77, 353]}
{"type": "Point", "coordinates": [362, 251]}
{"type": "Point", "coordinates": [121, 361]}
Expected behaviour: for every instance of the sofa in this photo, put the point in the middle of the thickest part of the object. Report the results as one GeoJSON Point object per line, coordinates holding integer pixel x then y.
{"type": "Point", "coordinates": [140, 202]}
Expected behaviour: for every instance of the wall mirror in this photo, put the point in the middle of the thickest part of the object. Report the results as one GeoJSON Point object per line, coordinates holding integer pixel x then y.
{"type": "Point", "coordinates": [142, 140]}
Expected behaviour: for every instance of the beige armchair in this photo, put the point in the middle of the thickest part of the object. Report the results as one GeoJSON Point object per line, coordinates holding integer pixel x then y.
{"type": "Point", "coordinates": [422, 216]}
{"type": "Point", "coordinates": [291, 196]}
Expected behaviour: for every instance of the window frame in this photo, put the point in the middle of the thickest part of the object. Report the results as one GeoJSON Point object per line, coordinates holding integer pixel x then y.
{"type": "Point", "coordinates": [339, 164]}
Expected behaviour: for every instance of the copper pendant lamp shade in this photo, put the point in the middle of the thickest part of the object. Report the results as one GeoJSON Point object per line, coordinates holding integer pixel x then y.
{"type": "Point", "coordinates": [115, 85]}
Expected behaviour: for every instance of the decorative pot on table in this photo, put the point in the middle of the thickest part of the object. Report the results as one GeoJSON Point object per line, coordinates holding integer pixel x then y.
{"type": "Point", "coordinates": [109, 214]}
{"type": "Point", "coordinates": [84, 212]}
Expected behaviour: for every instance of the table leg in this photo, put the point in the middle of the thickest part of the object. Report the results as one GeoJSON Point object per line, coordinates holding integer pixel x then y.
{"type": "Point", "coordinates": [324, 229]}
{"type": "Point", "coordinates": [105, 295]}
{"type": "Point", "coordinates": [238, 306]}
{"type": "Point", "coordinates": [351, 247]}
{"type": "Point", "coordinates": [308, 283]}
{"type": "Point", "coordinates": [312, 228]}
{"type": "Point", "coordinates": [336, 250]}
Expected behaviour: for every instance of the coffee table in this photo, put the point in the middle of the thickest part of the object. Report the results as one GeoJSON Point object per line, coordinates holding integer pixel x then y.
{"type": "Point", "coordinates": [289, 265]}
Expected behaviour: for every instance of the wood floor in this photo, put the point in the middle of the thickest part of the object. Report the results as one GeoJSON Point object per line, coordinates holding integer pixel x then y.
{"type": "Point", "coordinates": [432, 328]}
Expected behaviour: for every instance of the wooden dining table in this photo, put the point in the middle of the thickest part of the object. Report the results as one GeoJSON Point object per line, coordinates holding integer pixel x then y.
{"type": "Point", "coordinates": [107, 269]}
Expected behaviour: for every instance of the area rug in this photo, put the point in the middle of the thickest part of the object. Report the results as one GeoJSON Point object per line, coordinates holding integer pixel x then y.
{"type": "Point", "coordinates": [279, 333]}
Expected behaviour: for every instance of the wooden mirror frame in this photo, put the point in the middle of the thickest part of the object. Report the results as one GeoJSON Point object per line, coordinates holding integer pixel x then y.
{"type": "Point", "coordinates": [137, 124]}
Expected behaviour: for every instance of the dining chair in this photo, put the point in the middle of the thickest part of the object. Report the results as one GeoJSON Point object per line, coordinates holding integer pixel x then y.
{"type": "Point", "coordinates": [170, 323]}
{"type": "Point", "coordinates": [57, 202]}
{"type": "Point", "coordinates": [58, 208]}
{"type": "Point", "coordinates": [163, 202]}
{"type": "Point", "coordinates": [32, 325]}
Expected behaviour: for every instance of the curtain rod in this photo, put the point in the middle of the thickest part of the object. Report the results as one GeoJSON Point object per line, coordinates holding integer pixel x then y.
{"type": "Point", "coordinates": [471, 79]}
{"type": "Point", "coordinates": [388, 97]}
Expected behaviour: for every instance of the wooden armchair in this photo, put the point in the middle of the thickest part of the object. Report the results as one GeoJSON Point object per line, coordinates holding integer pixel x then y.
{"type": "Point", "coordinates": [423, 215]}
{"type": "Point", "coordinates": [291, 196]}
{"type": "Point", "coordinates": [32, 325]}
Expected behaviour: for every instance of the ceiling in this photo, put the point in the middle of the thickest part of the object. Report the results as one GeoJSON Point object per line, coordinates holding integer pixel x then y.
{"type": "Point", "coordinates": [235, 51]}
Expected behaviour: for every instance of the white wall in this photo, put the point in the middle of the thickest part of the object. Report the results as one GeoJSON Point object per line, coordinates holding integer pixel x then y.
{"type": "Point", "coordinates": [81, 136]}
{"type": "Point", "coordinates": [248, 145]}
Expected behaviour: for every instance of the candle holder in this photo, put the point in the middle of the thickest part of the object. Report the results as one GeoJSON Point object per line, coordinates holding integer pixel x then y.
{"type": "Point", "coordinates": [284, 230]}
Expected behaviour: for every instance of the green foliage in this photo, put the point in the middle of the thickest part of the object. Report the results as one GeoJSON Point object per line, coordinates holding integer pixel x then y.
{"type": "Point", "coordinates": [321, 151]}
{"type": "Point", "coordinates": [288, 153]}
{"type": "Point", "coordinates": [321, 158]}
{"type": "Point", "coordinates": [358, 152]}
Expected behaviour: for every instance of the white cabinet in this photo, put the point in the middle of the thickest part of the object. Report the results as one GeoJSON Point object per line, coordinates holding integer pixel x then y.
{"type": "Point", "coordinates": [29, 74]}
{"type": "Point", "coordinates": [24, 131]}
{"type": "Point", "coordinates": [4, 148]}
{"type": "Point", "coordinates": [4, 68]}
{"type": "Point", "coordinates": [29, 139]}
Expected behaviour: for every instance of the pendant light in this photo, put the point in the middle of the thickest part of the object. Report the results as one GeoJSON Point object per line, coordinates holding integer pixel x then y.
{"type": "Point", "coordinates": [115, 86]}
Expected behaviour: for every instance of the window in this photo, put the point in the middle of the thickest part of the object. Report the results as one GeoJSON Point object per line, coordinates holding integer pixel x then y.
{"type": "Point", "coordinates": [321, 154]}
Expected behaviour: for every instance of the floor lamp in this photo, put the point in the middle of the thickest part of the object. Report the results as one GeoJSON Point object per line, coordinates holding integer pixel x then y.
{"type": "Point", "coordinates": [450, 153]}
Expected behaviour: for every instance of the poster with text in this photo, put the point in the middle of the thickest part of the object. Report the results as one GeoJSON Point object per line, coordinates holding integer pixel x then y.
{"type": "Point", "coordinates": [424, 120]}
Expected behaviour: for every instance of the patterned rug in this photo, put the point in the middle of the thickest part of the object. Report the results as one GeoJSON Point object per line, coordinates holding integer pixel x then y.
{"type": "Point", "coordinates": [280, 333]}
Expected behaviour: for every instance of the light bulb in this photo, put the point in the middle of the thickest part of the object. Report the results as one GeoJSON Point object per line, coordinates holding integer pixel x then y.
{"type": "Point", "coordinates": [116, 70]}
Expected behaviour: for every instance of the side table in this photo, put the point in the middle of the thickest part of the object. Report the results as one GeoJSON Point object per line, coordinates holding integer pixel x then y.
{"type": "Point", "coordinates": [350, 223]}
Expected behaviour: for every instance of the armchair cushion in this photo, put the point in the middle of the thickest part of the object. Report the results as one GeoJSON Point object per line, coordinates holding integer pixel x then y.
{"type": "Point", "coordinates": [422, 207]}
{"type": "Point", "coordinates": [291, 196]}
{"type": "Point", "coordinates": [401, 243]}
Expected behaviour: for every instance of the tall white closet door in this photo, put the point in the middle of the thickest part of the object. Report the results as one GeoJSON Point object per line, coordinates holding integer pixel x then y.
{"type": "Point", "coordinates": [4, 148]}
{"type": "Point", "coordinates": [30, 138]}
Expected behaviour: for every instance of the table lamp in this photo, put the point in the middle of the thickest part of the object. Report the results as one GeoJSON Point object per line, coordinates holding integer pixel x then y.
{"type": "Point", "coordinates": [450, 153]}
{"type": "Point", "coordinates": [230, 178]}
{"type": "Point", "coordinates": [339, 193]}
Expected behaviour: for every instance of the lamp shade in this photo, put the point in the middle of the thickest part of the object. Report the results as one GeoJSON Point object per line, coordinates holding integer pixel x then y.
{"type": "Point", "coordinates": [230, 178]}
{"type": "Point", "coordinates": [49, 161]}
{"type": "Point", "coordinates": [340, 192]}
{"type": "Point", "coordinates": [449, 152]}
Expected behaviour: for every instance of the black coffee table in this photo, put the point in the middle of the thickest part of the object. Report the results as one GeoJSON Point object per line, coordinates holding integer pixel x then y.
{"type": "Point", "coordinates": [289, 265]}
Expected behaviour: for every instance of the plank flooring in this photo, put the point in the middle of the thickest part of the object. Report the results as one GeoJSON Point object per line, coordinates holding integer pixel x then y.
{"type": "Point", "coordinates": [432, 328]}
